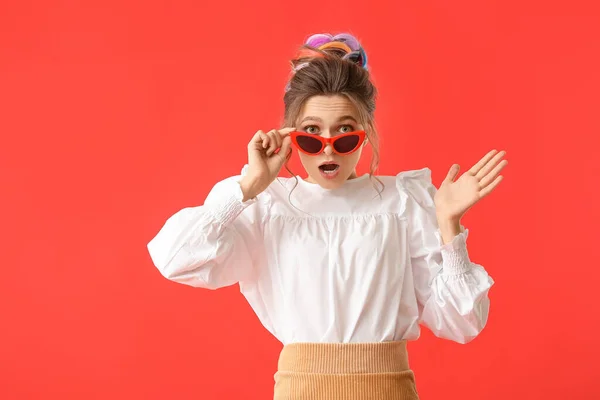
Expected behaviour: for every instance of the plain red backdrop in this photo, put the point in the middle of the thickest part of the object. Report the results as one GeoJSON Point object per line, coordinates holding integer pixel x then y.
{"type": "Point", "coordinates": [114, 115]}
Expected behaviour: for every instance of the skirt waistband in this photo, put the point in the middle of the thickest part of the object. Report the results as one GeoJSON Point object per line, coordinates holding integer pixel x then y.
{"type": "Point", "coordinates": [344, 358]}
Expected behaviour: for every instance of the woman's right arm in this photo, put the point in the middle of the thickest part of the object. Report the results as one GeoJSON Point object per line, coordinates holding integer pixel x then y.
{"type": "Point", "coordinates": [212, 246]}
{"type": "Point", "coordinates": [209, 246]}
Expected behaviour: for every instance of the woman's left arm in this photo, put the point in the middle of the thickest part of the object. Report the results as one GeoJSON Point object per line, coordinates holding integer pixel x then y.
{"type": "Point", "coordinates": [451, 290]}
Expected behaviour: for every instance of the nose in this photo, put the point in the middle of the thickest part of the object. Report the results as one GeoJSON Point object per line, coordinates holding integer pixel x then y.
{"type": "Point", "coordinates": [328, 150]}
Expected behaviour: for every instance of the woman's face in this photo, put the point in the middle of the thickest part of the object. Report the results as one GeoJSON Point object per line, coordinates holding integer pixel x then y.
{"type": "Point", "coordinates": [329, 116]}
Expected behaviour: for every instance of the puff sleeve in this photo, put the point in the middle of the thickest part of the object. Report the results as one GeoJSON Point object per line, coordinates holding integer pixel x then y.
{"type": "Point", "coordinates": [451, 291]}
{"type": "Point", "coordinates": [212, 245]}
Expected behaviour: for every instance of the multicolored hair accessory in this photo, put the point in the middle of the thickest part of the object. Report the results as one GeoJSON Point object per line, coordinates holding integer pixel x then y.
{"type": "Point", "coordinates": [336, 45]}
{"type": "Point", "coordinates": [359, 57]}
{"type": "Point", "coordinates": [316, 44]}
{"type": "Point", "coordinates": [347, 38]}
{"type": "Point", "coordinates": [306, 52]}
{"type": "Point", "coordinates": [318, 39]}
{"type": "Point", "coordinates": [343, 41]}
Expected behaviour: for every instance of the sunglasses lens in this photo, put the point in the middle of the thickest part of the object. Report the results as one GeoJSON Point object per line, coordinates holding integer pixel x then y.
{"type": "Point", "coordinates": [346, 144]}
{"type": "Point", "coordinates": [309, 144]}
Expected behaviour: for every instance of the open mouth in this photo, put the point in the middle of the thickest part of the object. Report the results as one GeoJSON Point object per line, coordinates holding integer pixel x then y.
{"type": "Point", "coordinates": [329, 168]}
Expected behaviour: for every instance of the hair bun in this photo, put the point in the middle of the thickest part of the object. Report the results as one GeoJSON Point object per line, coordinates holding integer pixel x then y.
{"type": "Point", "coordinates": [345, 45]}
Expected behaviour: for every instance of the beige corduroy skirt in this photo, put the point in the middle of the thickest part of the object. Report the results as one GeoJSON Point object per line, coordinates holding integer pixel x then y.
{"type": "Point", "coordinates": [348, 371]}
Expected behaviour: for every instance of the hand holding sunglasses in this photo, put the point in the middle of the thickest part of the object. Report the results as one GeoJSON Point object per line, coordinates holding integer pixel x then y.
{"type": "Point", "coordinates": [267, 153]}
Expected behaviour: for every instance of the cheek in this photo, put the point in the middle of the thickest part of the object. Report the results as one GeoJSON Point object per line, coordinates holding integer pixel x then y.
{"type": "Point", "coordinates": [352, 159]}
{"type": "Point", "coordinates": [308, 162]}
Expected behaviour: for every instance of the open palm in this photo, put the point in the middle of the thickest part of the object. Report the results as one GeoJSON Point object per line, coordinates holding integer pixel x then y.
{"type": "Point", "coordinates": [454, 198]}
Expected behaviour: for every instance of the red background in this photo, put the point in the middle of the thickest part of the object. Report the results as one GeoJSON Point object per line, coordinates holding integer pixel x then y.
{"type": "Point", "coordinates": [114, 115]}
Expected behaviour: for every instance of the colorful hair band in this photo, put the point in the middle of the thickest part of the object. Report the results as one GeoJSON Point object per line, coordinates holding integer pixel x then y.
{"type": "Point", "coordinates": [336, 45]}
{"type": "Point", "coordinates": [348, 39]}
{"type": "Point", "coordinates": [358, 57]}
{"type": "Point", "coordinates": [308, 53]}
{"type": "Point", "coordinates": [318, 39]}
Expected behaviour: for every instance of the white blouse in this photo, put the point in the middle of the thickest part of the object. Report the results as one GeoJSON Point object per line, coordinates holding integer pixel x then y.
{"type": "Point", "coordinates": [342, 265]}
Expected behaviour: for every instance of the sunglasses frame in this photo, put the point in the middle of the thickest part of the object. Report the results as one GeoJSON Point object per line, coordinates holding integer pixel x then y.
{"type": "Point", "coordinates": [325, 141]}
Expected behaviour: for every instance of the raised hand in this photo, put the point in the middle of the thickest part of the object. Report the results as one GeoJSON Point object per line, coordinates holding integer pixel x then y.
{"type": "Point", "coordinates": [264, 161]}
{"type": "Point", "coordinates": [454, 198]}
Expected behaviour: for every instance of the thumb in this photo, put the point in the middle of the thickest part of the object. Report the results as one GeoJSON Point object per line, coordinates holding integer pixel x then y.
{"type": "Point", "coordinates": [452, 173]}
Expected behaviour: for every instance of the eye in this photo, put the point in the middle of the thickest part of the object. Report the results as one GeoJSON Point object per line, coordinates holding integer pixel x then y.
{"type": "Point", "coordinates": [346, 128]}
{"type": "Point", "coordinates": [311, 129]}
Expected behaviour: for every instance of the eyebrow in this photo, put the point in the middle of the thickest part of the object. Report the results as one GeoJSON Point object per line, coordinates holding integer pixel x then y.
{"type": "Point", "coordinates": [317, 119]}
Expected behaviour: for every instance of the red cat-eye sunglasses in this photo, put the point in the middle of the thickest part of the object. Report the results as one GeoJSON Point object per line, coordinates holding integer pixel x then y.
{"type": "Point", "coordinates": [344, 144]}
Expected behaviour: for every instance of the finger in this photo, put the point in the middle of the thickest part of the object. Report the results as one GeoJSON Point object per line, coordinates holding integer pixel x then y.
{"type": "Point", "coordinates": [257, 144]}
{"type": "Point", "coordinates": [490, 187]}
{"type": "Point", "coordinates": [256, 139]}
{"type": "Point", "coordinates": [286, 148]}
{"type": "Point", "coordinates": [452, 173]}
{"type": "Point", "coordinates": [286, 131]}
{"type": "Point", "coordinates": [490, 165]}
{"type": "Point", "coordinates": [489, 178]}
{"type": "Point", "coordinates": [274, 134]}
{"type": "Point", "coordinates": [264, 140]}
{"type": "Point", "coordinates": [477, 167]}
{"type": "Point", "coordinates": [254, 147]}
{"type": "Point", "coordinates": [284, 152]}
{"type": "Point", "coordinates": [274, 141]}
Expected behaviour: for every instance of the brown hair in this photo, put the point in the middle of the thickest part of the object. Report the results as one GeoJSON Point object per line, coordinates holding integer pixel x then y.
{"type": "Point", "coordinates": [328, 74]}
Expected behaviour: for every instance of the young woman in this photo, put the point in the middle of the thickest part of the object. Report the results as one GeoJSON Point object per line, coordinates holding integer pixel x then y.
{"type": "Point", "coordinates": [341, 268]}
